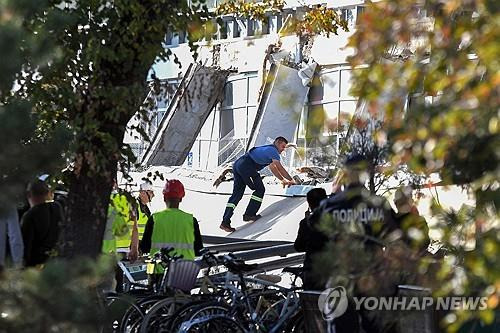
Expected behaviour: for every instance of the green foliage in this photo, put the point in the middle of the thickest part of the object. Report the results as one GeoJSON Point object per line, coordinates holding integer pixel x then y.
{"type": "Point", "coordinates": [449, 58]}
{"type": "Point", "coordinates": [315, 21]}
{"type": "Point", "coordinates": [84, 66]}
{"type": "Point", "coordinates": [24, 155]}
{"type": "Point", "coordinates": [63, 297]}
{"type": "Point", "coordinates": [253, 10]}
{"type": "Point", "coordinates": [319, 20]}
{"type": "Point", "coordinates": [26, 152]}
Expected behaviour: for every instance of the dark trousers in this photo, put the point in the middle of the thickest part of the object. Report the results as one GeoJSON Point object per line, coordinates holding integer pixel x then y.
{"type": "Point", "coordinates": [245, 174]}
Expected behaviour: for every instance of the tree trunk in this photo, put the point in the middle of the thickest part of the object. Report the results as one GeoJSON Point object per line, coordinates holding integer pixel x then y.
{"type": "Point", "coordinates": [88, 201]}
{"type": "Point", "coordinates": [90, 185]}
{"type": "Point", "coordinates": [95, 169]}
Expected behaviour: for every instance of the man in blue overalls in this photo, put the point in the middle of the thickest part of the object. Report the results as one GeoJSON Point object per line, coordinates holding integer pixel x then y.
{"type": "Point", "coordinates": [245, 171]}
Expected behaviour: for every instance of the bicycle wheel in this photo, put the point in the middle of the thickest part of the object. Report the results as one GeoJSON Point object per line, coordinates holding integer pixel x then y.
{"type": "Point", "coordinates": [212, 324]}
{"type": "Point", "coordinates": [132, 319]}
{"type": "Point", "coordinates": [185, 312]}
{"type": "Point", "coordinates": [200, 312]}
{"type": "Point", "coordinates": [262, 304]}
{"type": "Point", "coordinates": [296, 324]}
{"type": "Point", "coordinates": [116, 307]}
{"type": "Point", "coordinates": [279, 314]}
{"type": "Point", "coordinates": [158, 316]}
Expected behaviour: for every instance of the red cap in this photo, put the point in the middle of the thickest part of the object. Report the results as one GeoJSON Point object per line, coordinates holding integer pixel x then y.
{"type": "Point", "coordinates": [173, 189]}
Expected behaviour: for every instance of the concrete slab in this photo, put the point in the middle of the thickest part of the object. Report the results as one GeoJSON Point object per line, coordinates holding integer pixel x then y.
{"type": "Point", "coordinates": [298, 190]}
{"type": "Point", "coordinates": [281, 107]}
{"type": "Point", "coordinates": [195, 99]}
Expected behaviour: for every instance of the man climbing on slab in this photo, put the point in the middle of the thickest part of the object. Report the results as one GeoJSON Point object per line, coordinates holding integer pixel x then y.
{"type": "Point", "coordinates": [246, 173]}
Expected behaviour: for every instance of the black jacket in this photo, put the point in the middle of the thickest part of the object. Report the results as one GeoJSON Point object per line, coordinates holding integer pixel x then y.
{"type": "Point", "coordinates": [40, 229]}
{"type": "Point", "coordinates": [311, 241]}
{"type": "Point", "coordinates": [356, 208]}
{"type": "Point", "coordinates": [370, 214]}
{"type": "Point", "coordinates": [408, 221]}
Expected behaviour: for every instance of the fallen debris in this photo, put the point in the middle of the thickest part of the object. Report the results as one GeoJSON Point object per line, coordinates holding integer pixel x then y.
{"type": "Point", "coordinates": [228, 169]}
{"type": "Point", "coordinates": [314, 172]}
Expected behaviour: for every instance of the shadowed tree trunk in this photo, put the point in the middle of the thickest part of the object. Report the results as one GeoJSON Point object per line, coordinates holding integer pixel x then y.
{"type": "Point", "coordinates": [86, 216]}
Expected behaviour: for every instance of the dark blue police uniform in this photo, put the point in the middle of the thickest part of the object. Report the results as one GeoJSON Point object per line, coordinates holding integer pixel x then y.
{"type": "Point", "coordinates": [245, 170]}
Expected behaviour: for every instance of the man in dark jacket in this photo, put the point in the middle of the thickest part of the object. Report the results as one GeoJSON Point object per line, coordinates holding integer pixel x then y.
{"type": "Point", "coordinates": [413, 227]}
{"type": "Point", "coordinates": [40, 225]}
{"type": "Point", "coordinates": [310, 240]}
{"type": "Point", "coordinates": [355, 222]}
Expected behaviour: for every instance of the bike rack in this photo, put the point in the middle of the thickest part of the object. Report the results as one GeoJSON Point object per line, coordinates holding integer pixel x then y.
{"type": "Point", "coordinates": [242, 248]}
{"type": "Point", "coordinates": [245, 245]}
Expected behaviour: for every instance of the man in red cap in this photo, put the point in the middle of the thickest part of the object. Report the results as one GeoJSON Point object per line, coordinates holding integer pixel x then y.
{"type": "Point", "coordinates": [172, 227]}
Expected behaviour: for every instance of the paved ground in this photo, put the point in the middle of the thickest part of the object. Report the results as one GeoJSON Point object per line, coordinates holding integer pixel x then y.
{"type": "Point", "coordinates": [280, 214]}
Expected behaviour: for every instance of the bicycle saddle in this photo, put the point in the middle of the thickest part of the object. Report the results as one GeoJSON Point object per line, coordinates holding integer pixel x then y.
{"type": "Point", "coordinates": [240, 266]}
{"type": "Point", "coordinates": [269, 278]}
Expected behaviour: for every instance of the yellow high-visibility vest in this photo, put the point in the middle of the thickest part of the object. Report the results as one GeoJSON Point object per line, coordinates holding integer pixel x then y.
{"type": "Point", "coordinates": [173, 228]}
{"type": "Point", "coordinates": [117, 225]}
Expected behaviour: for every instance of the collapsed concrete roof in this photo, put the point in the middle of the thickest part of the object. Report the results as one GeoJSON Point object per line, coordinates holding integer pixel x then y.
{"type": "Point", "coordinates": [280, 106]}
{"type": "Point", "coordinates": [195, 98]}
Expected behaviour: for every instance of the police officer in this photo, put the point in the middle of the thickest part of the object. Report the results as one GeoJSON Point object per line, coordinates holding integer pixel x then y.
{"type": "Point", "coordinates": [117, 232]}
{"type": "Point", "coordinates": [245, 171]}
{"type": "Point", "coordinates": [310, 240]}
{"type": "Point", "coordinates": [356, 220]}
{"type": "Point", "coordinates": [355, 208]}
{"type": "Point", "coordinates": [40, 225]}
{"type": "Point", "coordinates": [172, 227]}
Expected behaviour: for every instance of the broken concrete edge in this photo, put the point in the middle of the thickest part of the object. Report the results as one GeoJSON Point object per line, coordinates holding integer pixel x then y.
{"type": "Point", "coordinates": [192, 82]}
{"type": "Point", "coordinates": [201, 181]}
{"type": "Point", "coordinates": [183, 127]}
{"type": "Point", "coordinates": [150, 151]}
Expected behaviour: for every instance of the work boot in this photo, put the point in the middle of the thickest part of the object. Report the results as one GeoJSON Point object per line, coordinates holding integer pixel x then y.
{"type": "Point", "coordinates": [251, 218]}
{"type": "Point", "coordinates": [227, 227]}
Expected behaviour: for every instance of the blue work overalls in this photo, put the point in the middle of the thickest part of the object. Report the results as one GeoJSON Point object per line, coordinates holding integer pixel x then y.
{"type": "Point", "coordinates": [245, 171]}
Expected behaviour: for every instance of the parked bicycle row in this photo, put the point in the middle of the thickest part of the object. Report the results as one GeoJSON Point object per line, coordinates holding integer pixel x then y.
{"type": "Point", "coordinates": [226, 296]}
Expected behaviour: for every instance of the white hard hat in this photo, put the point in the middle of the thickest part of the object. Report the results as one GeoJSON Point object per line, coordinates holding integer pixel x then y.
{"type": "Point", "coordinates": [146, 187]}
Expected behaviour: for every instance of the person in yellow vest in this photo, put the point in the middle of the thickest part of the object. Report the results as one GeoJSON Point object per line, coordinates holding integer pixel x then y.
{"type": "Point", "coordinates": [146, 194]}
{"type": "Point", "coordinates": [121, 231]}
{"type": "Point", "coordinates": [142, 213]}
{"type": "Point", "coordinates": [121, 225]}
{"type": "Point", "coordinates": [172, 227]}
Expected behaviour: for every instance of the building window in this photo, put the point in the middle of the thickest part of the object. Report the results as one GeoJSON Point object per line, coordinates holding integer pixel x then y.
{"type": "Point", "coordinates": [251, 27]}
{"type": "Point", "coordinates": [237, 115]}
{"type": "Point", "coordinates": [236, 29]}
{"type": "Point", "coordinates": [174, 38]}
{"type": "Point", "coordinates": [162, 102]}
{"type": "Point", "coordinates": [274, 24]}
{"type": "Point", "coordinates": [211, 3]}
{"type": "Point", "coordinates": [266, 25]}
{"type": "Point", "coordinates": [359, 12]}
{"type": "Point", "coordinates": [329, 111]}
{"type": "Point", "coordinates": [347, 14]}
{"type": "Point", "coordinates": [168, 38]}
{"type": "Point", "coordinates": [223, 30]}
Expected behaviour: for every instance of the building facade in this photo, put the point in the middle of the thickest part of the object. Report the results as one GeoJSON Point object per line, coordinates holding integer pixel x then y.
{"type": "Point", "coordinates": [248, 48]}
